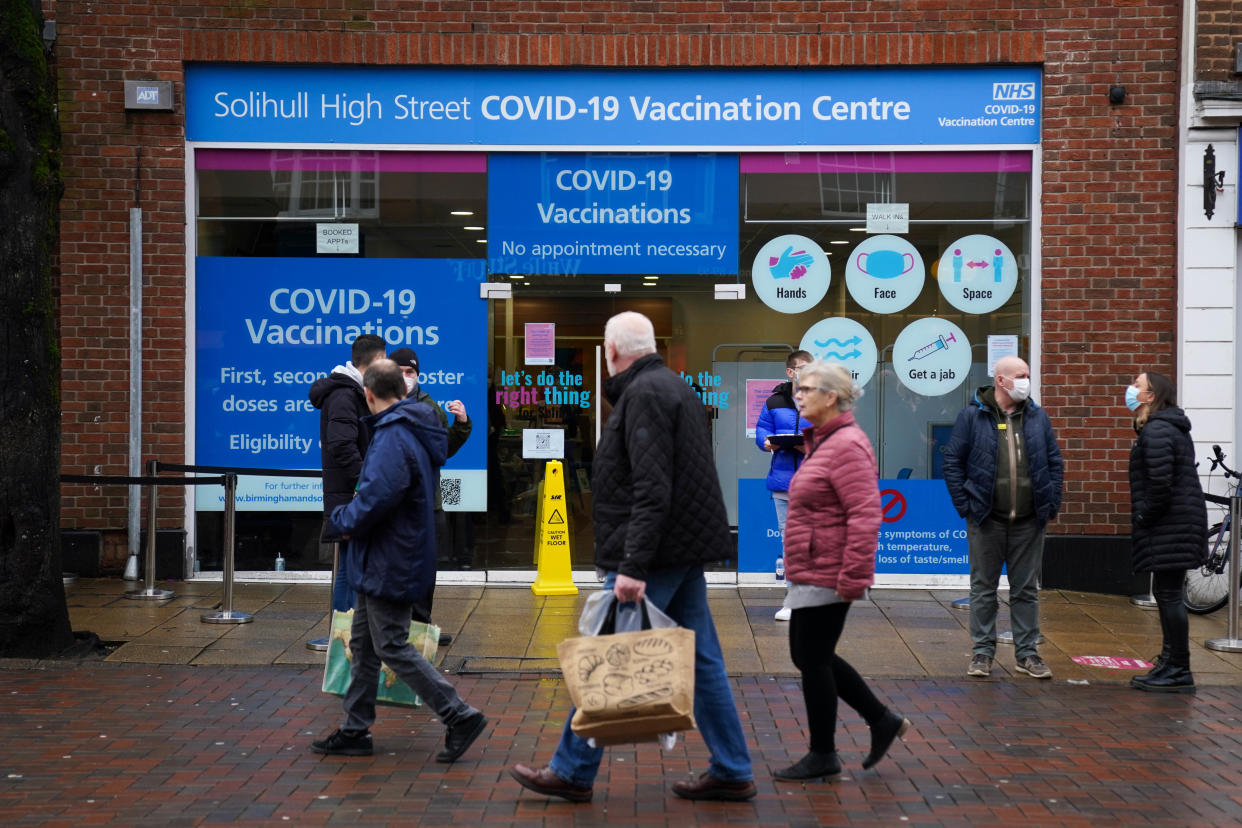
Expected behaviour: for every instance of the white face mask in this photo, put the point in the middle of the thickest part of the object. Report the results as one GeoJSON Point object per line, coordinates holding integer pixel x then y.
{"type": "Point", "coordinates": [1021, 389]}
{"type": "Point", "coordinates": [409, 384]}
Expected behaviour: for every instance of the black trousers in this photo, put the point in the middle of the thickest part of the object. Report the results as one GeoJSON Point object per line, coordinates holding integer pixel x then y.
{"type": "Point", "coordinates": [813, 636]}
{"type": "Point", "coordinates": [1167, 587]}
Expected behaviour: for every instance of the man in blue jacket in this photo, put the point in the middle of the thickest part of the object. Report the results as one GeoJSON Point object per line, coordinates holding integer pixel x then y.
{"type": "Point", "coordinates": [391, 561]}
{"type": "Point", "coordinates": [1004, 471]}
{"type": "Point", "coordinates": [780, 416]}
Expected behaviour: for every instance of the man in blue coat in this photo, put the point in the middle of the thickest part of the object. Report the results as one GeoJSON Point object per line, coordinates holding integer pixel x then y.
{"type": "Point", "coordinates": [780, 416]}
{"type": "Point", "coordinates": [1004, 471]}
{"type": "Point", "coordinates": [391, 561]}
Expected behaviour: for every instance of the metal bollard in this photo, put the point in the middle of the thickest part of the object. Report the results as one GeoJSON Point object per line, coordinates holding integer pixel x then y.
{"type": "Point", "coordinates": [1231, 644]}
{"type": "Point", "coordinates": [320, 645]}
{"type": "Point", "coordinates": [226, 615]}
{"type": "Point", "coordinates": [1147, 601]}
{"type": "Point", "coordinates": [149, 591]}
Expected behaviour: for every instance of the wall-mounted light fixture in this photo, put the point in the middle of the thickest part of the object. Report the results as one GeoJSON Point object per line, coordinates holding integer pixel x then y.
{"type": "Point", "coordinates": [1116, 95]}
{"type": "Point", "coordinates": [1213, 181]}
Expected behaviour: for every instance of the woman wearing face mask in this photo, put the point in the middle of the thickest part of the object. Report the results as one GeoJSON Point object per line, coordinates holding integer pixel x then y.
{"type": "Point", "coordinates": [1168, 520]}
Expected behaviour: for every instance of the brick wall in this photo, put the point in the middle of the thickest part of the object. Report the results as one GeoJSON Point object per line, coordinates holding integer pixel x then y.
{"type": "Point", "coordinates": [1218, 31]}
{"type": "Point", "coordinates": [1108, 297]}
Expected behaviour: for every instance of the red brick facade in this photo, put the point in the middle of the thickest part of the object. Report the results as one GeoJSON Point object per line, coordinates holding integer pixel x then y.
{"type": "Point", "coordinates": [1109, 286]}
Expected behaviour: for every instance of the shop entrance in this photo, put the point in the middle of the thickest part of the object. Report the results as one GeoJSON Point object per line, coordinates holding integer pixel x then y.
{"type": "Point", "coordinates": [564, 395]}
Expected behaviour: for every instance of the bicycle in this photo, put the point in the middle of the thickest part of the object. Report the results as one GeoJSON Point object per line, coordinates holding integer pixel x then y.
{"type": "Point", "coordinates": [1207, 587]}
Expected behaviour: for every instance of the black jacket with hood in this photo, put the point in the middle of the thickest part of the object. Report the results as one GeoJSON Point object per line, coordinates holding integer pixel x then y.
{"type": "Point", "coordinates": [343, 436]}
{"type": "Point", "coordinates": [657, 499]}
{"type": "Point", "coordinates": [1168, 516]}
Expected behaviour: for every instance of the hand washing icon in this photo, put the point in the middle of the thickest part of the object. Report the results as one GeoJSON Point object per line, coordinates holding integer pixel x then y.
{"type": "Point", "coordinates": [885, 264]}
{"type": "Point", "coordinates": [790, 265]}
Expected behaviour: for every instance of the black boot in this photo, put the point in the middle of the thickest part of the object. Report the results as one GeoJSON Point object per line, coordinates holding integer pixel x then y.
{"type": "Point", "coordinates": [1169, 678]}
{"type": "Point", "coordinates": [812, 766]}
{"type": "Point", "coordinates": [1156, 663]}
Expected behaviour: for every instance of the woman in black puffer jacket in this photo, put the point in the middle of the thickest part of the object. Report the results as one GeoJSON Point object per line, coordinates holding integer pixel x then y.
{"type": "Point", "coordinates": [1168, 520]}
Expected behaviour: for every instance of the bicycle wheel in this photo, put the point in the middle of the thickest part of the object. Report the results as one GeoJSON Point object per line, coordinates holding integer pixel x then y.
{"type": "Point", "coordinates": [1206, 589]}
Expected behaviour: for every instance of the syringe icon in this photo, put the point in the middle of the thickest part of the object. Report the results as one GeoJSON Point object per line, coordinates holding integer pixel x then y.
{"type": "Point", "coordinates": [937, 344]}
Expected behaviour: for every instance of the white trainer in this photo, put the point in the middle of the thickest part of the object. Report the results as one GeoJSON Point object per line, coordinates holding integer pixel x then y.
{"type": "Point", "coordinates": [783, 614]}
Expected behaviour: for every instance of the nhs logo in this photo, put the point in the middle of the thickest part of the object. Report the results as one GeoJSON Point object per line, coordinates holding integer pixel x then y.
{"type": "Point", "coordinates": [1013, 91]}
{"type": "Point", "coordinates": [148, 95]}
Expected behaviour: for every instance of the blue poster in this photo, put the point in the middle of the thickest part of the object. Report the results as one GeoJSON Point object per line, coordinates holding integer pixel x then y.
{"type": "Point", "coordinates": [759, 542]}
{"type": "Point", "coordinates": [266, 329]}
{"type": "Point", "coordinates": [722, 109]}
{"type": "Point", "coordinates": [612, 213]}
{"type": "Point", "coordinates": [922, 532]}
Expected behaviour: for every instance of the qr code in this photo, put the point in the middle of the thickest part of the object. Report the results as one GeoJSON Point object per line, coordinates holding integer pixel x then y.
{"type": "Point", "coordinates": [450, 491]}
{"type": "Point", "coordinates": [543, 441]}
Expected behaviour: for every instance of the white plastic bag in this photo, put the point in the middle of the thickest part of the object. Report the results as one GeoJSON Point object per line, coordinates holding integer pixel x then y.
{"type": "Point", "coordinates": [629, 615]}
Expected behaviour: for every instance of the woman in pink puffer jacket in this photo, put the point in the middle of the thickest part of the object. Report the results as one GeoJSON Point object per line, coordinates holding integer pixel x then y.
{"type": "Point", "coordinates": [830, 545]}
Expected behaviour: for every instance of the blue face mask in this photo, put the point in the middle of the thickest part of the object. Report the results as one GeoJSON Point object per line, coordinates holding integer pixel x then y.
{"type": "Point", "coordinates": [1132, 400]}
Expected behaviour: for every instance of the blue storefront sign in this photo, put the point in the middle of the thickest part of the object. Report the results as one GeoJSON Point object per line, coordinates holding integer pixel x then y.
{"type": "Point", "coordinates": [266, 329]}
{"type": "Point", "coordinates": [716, 108]}
{"type": "Point", "coordinates": [610, 213]}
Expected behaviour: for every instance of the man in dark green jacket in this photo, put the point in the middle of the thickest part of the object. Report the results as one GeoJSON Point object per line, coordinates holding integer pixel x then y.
{"type": "Point", "coordinates": [1003, 470]}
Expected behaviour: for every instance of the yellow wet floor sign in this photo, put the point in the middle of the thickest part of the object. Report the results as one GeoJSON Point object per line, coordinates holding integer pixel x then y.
{"type": "Point", "coordinates": [555, 573]}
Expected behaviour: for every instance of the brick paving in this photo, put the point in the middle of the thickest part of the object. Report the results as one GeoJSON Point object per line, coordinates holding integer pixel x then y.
{"type": "Point", "coordinates": [101, 743]}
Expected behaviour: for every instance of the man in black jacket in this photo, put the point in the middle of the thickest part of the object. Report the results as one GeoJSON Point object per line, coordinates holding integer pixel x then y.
{"type": "Point", "coordinates": [659, 516]}
{"type": "Point", "coordinates": [343, 440]}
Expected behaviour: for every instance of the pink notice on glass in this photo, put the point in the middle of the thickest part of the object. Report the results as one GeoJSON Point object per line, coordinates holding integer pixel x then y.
{"type": "Point", "coordinates": [540, 343]}
{"type": "Point", "coordinates": [757, 393]}
{"type": "Point", "coordinates": [1112, 662]}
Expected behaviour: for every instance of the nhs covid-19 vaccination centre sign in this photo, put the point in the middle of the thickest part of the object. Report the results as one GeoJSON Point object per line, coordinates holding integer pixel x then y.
{"type": "Point", "coordinates": [613, 108]}
{"type": "Point", "coordinates": [566, 150]}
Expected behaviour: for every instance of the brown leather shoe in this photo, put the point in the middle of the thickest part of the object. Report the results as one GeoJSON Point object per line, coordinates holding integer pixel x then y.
{"type": "Point", "coordinates": [544, 781]}
{"type": "Point", "coordinates": [709, 787]}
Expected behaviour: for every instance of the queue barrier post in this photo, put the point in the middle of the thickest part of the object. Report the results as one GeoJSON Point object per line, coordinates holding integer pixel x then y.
{"type": "Point", "coordinates": [1231, 643]}
{"type": "Point", "coordinates": [1147, 601]}
{"type": "Point", "coordinates": [149, 591]}
{"type": "Point", "coordinates": [320, 645]}
{"type": "Point", "coordinates": [226, 614]}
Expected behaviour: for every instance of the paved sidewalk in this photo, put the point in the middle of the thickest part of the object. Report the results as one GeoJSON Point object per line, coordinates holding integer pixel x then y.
{"type": "Point", "coordinates": [899, 634]}
{"type": "Point", "coordinates": [170, 745]}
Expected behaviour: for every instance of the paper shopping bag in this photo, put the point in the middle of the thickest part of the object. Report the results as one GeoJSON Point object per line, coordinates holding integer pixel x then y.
{"type": "Point", "coordinates": [392, 690]}
{"type": "Point", "coordinates": [632, 686]}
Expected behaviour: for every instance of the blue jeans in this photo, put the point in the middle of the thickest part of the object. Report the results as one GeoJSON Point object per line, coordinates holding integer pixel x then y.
{"type": "Point", "coordinates": [782, 509]}
{"type": "Point", "coordinates": [1019, 546]}
{"type": "Point", "coordinates": [682, 594]}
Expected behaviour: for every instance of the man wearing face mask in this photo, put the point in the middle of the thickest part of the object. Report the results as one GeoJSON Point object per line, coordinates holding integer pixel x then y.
{"type": "Point", "coordinates": [1003, 469]}
{"type": "Point", "coordinates": [458, 431]}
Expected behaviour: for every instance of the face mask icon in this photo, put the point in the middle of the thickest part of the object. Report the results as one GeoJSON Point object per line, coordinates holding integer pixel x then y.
{"type": "Point", "coordinates": [885, 264]}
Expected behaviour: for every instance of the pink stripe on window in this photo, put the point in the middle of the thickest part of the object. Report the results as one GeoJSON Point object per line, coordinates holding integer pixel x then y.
{"type": "Point", "coordinates": [370, 160]}
{"type": "Point", "coordinates": [907, 162]}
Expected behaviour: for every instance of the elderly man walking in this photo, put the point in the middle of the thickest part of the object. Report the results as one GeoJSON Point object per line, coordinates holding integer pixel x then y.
{"type": "Point", "coordinates": [659, 516]}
